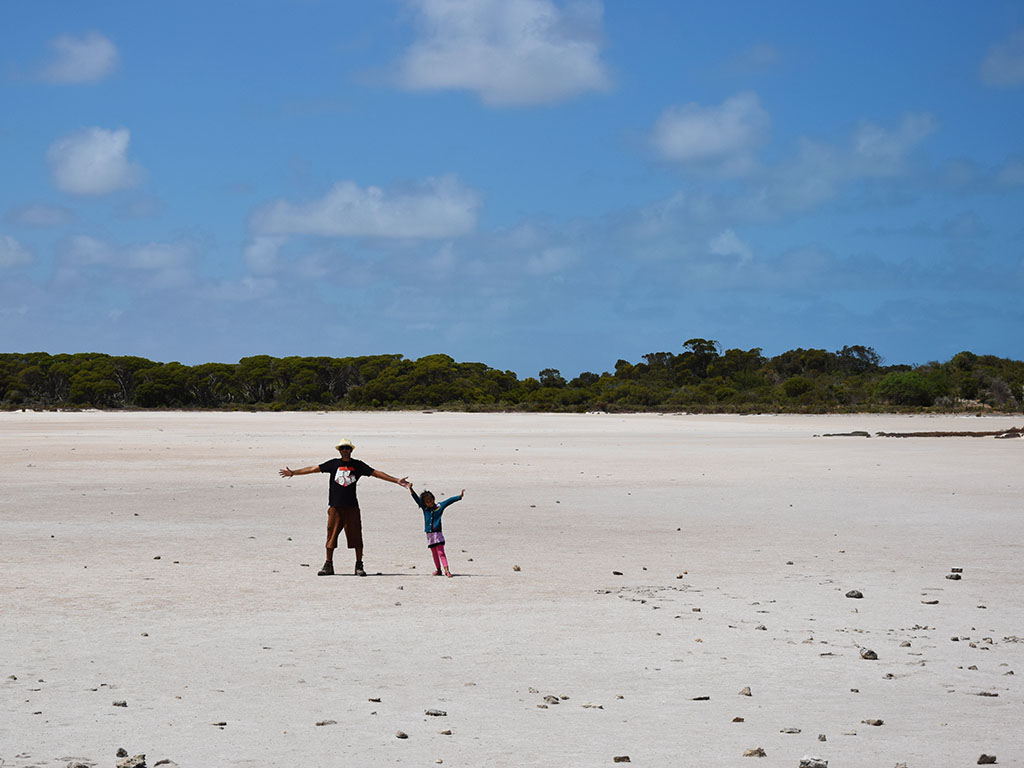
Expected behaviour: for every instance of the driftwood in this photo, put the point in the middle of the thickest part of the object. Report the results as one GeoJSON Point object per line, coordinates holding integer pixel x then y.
{"type": "Point", "coordinates": [998, 434]}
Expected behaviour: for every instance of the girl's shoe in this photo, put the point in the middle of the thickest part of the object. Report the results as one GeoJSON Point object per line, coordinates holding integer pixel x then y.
{"type": "Point", "coordinates": [437, 573]}
{"type": "Point", "coordinates": [447, 573]}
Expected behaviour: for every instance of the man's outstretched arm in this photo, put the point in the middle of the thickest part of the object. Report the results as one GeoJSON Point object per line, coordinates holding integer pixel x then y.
{"type": "Point", "coordinates": [404, 482]}
{"type": "Point", "coordinates": [286, 472]}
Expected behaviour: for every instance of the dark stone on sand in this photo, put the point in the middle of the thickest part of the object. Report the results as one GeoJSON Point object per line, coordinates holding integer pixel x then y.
{"type": "Point", "coordinates": [401, 735]}
{"type": "Point", "coordinates": [552, 700]}
{"type": "Point", "coordinates": [436, 713]}
{"type": "Point", "coordinates": [986, 759]}
{"type": "Point", "coordinates": [755, 752]}
{"type": "Point", "coordinates": [326, 722]}
{"type": "Point", "coordinates": [856, 594]}
{"type": "Point", "coordinates": [122, 752]}
{"type": "Point", "coordinates": [621, 759]}
{"type": "Point", "coordinates": [120, 703]}
{"type": "Point", "coordinates": [867, 653]}
{"type": "Point", "coordinates": [136, 761]}
{"type": "Point", "coordinates": [813, 762]}
{"type": "Point", "coordinates": [873, 721]}
{"type": "Point", "coordinates": [616, 573]}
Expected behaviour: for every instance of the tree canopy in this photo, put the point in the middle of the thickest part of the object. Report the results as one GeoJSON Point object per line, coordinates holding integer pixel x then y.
{"type": "Point", "coordinates": [700, 377]}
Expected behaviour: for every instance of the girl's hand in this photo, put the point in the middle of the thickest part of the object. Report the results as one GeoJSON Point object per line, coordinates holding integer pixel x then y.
{"type": "Point", "coordinates": [462, 495]}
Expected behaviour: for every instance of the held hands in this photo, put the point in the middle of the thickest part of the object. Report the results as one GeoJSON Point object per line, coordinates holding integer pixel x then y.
{"type": "Point", "coordinates": [404, 482]}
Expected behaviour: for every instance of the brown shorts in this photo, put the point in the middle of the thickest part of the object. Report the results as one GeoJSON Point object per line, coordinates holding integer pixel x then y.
{"type": "Point", "coordinates": [353, 525]}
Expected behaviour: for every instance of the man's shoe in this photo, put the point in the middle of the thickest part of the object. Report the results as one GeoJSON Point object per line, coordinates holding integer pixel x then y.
{"type": "Point", "coordinates": [327, 570]}
{"type": "Point", "coordinates": [359, 568]}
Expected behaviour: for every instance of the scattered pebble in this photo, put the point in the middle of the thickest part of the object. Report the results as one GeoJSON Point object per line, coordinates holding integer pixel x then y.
{"type": "Point", "coordinates": [516, 568]}
{"type": "Point", "coordinates": [822, 737]}
{"type": "Point", "coordinates": [401, 735]}
{"type": "Point", "coordinates": [873, 721]}
{"type": "Point", "coordinates": [986, 759]}
{"type": "Point", "coordinates": [807, 761]}
{"type": "Point", "coordinates": [327, 722]}
{"type": "Point", "coordinates": [756, 752]}
{"type": "Point", "coordinates": [738, 720]}
{"type": "Point", "coordinates": [855, 594]}
{"type": "Point", "coordinates": [136, 761]}
{"type": "Point", "coordinates": [790, 730]}
{"type": "Point", "coordinates": [446, 732]}
{"type": "Point", "coordinates": [953, 576]}
{"type": "Point", "coordinates": [621, 759]}
{"type": "Point", "coordinates": [867, 653]}
{"type": "Point", "coordinates": [436, 713]}
{"type": "Point", "coordinates": [120, 703]}
{"type": "Point", "coordinates": [616, 573]}
{"type": "Point", "coordinates": [746, 691]}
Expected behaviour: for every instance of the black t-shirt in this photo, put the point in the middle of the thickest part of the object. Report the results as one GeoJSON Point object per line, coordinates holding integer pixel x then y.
{"type": "Point", "coordinates": [344, 475]}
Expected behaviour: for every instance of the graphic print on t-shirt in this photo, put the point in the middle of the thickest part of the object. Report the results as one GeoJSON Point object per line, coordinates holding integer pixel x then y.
{"type": "Point", "coordinates": [344, 476]}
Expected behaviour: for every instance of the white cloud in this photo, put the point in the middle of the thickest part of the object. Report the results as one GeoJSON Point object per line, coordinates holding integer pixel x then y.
{"type": "Point", "coordinates": [881, 152]}
{"type": "Point", "coordinates": [84, 59]}
{"type": "Point", "coordinates": [247, 288]}
{"type": "Point", "coordinates": [261, 253]}
{"type": "Point", "coordinates": [509, 52]}
{"type": "Point", "coordinates": [728, 243]}
{"type": "Point", "coordinates": [433, 208]}
{"type": "Point", "coordinates": [550, 260]}
{"type": "Point", "coordinates": [726, 134]}
{"type": "Point", "coordinates": [93, 161]}
{"type": "Point", "coordinates": [41, 216]}
{"type": "Point", "coordinates": [13, 253]}
{"type": "Point", "coordinates": [1012, 173]}
{"type": "Point", "coordinates": [86, 251]}
{"type": "Point", "coordinates": [1003, 66]}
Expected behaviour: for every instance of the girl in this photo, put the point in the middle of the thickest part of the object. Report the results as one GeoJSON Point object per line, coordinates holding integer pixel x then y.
{"type": "Point", "coordinates": [432, 512]}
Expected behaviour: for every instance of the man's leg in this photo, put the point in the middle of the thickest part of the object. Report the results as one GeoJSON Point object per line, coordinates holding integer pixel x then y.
{"type": "Point", "coordinates": [333, 529]}
{"type": "Point", "coordinates": [353, 526]}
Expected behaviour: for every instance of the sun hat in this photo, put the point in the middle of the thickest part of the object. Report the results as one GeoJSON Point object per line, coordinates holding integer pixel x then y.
{"type": "Point", "coordinates": [345, 442]}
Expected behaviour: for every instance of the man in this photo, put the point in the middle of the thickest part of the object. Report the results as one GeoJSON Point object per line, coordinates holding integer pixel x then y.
{"type": "Point", "coordinates": [343, 512]}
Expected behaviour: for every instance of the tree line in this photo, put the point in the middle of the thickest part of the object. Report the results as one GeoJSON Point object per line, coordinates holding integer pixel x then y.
{"type": "Point", "coordinates": [701, 377]}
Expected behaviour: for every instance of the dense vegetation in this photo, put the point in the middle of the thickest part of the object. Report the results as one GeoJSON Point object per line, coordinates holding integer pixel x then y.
{"type": "Point", "coordinates": [700, 378]}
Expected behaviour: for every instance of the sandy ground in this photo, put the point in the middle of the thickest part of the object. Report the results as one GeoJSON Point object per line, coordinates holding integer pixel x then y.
{"type": "Point", "coordinates": [158, 560]}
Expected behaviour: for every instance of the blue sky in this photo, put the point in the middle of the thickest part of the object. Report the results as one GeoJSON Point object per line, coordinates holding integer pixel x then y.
{"type": "Point", "coordinates": [523, 183]}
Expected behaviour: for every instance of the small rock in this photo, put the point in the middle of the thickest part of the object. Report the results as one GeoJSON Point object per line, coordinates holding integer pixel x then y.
{"type": "Point", "coordinates": [220, 723]}
{"type": "Point", "coordinates": [122, 752]}
{"type": "Point", "coordinates": [867, 653]}
{"type": "Point", "coordinates": [516, 568]}
{"type": "Point", "coordinates": [746, 691]}
{"type": "Point", "coordinates": [807, 761]}
{"type": "Point", "coordinates": [756, 752]}
{"type": "Point", "coordinates": [953, 576]}
{"type": "Point", "coordinates": [790, 730]}
{"type": "Point", "coordinates": [956, 570]}
{"type": "Point", "coordinates": [120, 703]}
{"type": "Point", "coordinates": [855, 594]}
{"type": "Point", "coordinates": [588, 705]}
{"type": "Point", "coordinates": [375, 699]}
{"type": "Point", "coordinates": [986, 759]}
{"type": "Point", "coordinates": [621, 759]}
{"type": "Point", "coordinates": [873, 721]}
{"type": "Point", "coordinates": [905, 644]}
{"type": "Point", "coordinates": [401, 735]}
{"type": "Point", "coordinates": [136, 761]}
{"type": "Point", "coordinates": [822, 737]}
{"type": "Point", "coordinates": [327, 722]}
{"type": "Point", "coordinates": [436, 713]}
{"type": "Point", "coordinates": [616, 573]}
{"type": "Point", "coordinates": [761, 627]}
{"type": "Point", "coordinates": [738, 720]}
{"type": "Point", "coordinates": [929, 602]}
{"type": "Point", "coordinates": [552, 700]}
{"type": "Point", "coordinates": [446, 732]}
